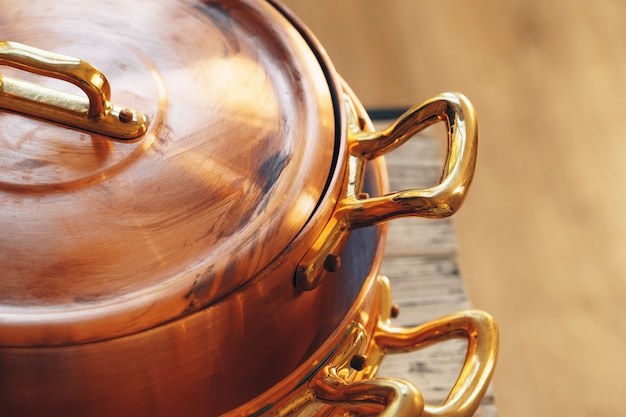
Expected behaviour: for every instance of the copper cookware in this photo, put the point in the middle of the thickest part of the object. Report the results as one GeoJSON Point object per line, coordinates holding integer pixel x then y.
{"type": "Point", "coordinates": [188, 226]}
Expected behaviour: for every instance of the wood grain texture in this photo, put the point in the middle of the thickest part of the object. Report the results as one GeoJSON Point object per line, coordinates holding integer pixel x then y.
{"type": "Point", "coordinates": [542, 234]}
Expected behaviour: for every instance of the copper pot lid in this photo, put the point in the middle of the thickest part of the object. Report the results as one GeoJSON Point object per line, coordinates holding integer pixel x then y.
{"type": "Point", "coordinates": [238, 150]}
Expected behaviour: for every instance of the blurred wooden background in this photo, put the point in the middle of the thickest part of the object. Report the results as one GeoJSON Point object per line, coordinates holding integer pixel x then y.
{"type": "Point", "coordinates": [543, 233]}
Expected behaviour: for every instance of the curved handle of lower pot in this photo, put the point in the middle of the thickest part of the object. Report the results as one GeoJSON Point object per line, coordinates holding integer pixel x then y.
{"type": "Point", "coordinates": [481, 332]}
{"type": "Point", "coordinates": [441, 200]}
{"type": "Point", "coordinates": [399, 398]}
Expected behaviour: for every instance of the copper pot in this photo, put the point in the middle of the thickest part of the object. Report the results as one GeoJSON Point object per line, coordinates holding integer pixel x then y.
{"type": "Point", "coordinates": [194, 233]}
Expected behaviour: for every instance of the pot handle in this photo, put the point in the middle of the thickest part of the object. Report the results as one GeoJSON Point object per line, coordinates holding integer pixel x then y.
{"type": "Point", "coordinates": [356, 209]}
{"type": "Point", "coordinates": [94, 113]}
{"type": "Point", "coordinates": [400, 398]}
{"type": "Point", "coordinates": [441, 200]}
{"type": "Point", "coordinates": [481, 332]}
{"type": "Point", "coordinates": [345, 381]}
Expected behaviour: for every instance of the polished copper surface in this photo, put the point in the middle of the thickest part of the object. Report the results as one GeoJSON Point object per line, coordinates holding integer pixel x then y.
{"type": "Point", "coordinates": [208, 362]}
{"type": "Point", "coordinates": [239, 149]}
{"type": "Point", "coordinates": [90, 326]}
{"type": "Point", "coordinates": [156, 277]}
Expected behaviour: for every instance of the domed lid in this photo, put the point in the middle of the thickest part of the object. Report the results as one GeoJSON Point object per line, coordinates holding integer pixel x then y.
{"type": "Point", "coordinates": [239, 143]}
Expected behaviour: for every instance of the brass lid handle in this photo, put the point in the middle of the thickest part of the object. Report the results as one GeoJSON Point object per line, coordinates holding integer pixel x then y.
{"type": "Point", "coordinates": [93, 113]}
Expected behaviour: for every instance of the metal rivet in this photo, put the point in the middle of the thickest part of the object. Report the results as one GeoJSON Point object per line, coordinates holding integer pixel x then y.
{"type": "Point", "coordinates": [332, 263]}
{"type": "Point", "coordinates": [363, 196]}
{"type": "Point", "coordinates": [126, 115]}
{"type": "Point", "coordinates": [358, 362]}
{"type": "Point", "coordinates": [395, 311]}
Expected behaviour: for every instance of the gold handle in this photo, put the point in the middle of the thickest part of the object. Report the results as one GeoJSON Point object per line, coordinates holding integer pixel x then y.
{"type": "Point", "coordinates": [344, 384]}
{"type": "Point", "coordinates": [94, 112]}
{"type": "Point", "coordinates": [399, 398]}
{"type": "Point", "coordinates": [355, 210]}
{"type": "Point", "coordinates": [446, 197]}
{"type": "Point", "coordinates": [481, 332]}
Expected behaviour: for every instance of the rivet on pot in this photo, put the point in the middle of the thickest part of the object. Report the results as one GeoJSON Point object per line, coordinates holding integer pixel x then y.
{"type": "Point", "coordinates": [358, 362]}
{"type": "Point", "coordinates": [395, 311]}
{"type": "Point", "coordinates": [332, 263]}
{"type": "Point", "coordinates": [126, 115]}
{"type": "Point", "coordinates": [363, 196]}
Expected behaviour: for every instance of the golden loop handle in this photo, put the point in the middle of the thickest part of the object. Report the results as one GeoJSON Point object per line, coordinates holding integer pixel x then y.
{"type": "Point", "coordinates": [442, 200]}
{"type": "Point", "coordinates": [95, 114]}
{"type": "Point", "coordinates": [400, 398]}
{"type": "Point", "coordinates": [345, 382]}
{"type": "Point", "coordinates": [446, 197]}
{"type": "Point", "coordinates": [481, 332]}
{"type": "Point", "coordinates": [63, 67]}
